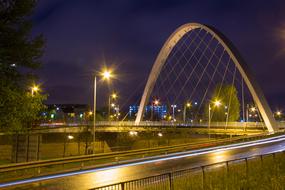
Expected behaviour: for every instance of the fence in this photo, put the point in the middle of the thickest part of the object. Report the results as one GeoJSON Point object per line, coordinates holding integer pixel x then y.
{"type": "Point", "coordinates": [37, 168]}
{"type": "Point", "coordinates": [258, 172]}
{"type": "Point", "coordinates": [167, 124]}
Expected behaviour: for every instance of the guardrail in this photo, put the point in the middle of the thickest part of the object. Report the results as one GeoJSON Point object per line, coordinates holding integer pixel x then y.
{"type": "Point", "coordinates": [153, 126]}
{"type": "Point", "coordinates": [242, 173]}
{"type": "Point", "coordinates": [157, 125]}
{"type": "Point", "coordinates": [183, 124]}
{"type": "Point", "coordinates": [164, 123]}
{"type": "Point", "coordinates": [44, 167]}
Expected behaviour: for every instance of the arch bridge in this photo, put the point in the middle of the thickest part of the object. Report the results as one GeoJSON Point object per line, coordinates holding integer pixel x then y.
{"type": "Point", "coordinates": [242, 67]}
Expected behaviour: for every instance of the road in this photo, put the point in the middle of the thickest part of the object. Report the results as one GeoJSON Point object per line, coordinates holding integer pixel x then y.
{"type": "Point", "coordinates": [148, 167]}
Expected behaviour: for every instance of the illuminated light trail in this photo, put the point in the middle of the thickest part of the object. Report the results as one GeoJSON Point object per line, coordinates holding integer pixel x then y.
{"type": "Point", "coordinates": [152, 160]}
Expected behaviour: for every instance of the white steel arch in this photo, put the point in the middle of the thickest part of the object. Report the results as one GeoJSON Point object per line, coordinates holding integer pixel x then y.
{"type": "Point", "coordinates": [251, 83]}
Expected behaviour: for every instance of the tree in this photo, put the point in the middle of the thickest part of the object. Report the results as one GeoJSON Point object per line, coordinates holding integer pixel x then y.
{"type": "Point", "coordinates": [229, 108]}
{"type": "Point", "coordinates": [19, 57]}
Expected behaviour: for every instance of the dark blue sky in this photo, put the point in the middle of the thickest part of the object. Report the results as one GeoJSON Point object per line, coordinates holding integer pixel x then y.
{"type": "Point", "coordinates": [83, 34]}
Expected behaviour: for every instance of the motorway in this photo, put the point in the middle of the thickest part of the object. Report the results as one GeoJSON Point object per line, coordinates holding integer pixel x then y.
{"type": "Point", "coordinates": [87, 179]}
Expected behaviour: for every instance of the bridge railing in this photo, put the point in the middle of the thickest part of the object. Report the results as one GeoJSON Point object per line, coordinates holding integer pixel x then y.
{"type": "Point", "coordinates": [256, 172]}
{"type": "Point", "coordinates": [182, 124]}
{"type": "Point", "coordinates": [225, 125]}
{"type": "Point", "coordinates": [161, 123]}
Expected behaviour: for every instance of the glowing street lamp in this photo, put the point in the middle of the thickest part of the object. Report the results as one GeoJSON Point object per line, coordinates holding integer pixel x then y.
{"type": "Point", "coordinates": [278, 113]}
{"type": "Point", "coordinates": [133, 133]}
{"type": "Point", "coordinates": [169, 117]}
{"type": "Point", "coordinates": [156, 102]}
{"type": "Point", "coordinates": [173, 111]}
{"type": "Point", "coordinates": [187, 105]}
{"type": "Point", "coordinates": [112, 96]}
{"type": "Point", "coordinates": [70, 137]}
{"type": "Point", "coordinates": [106, 75]}
{"type": "Point", "coordinates": [34, 89]}
{"type": "Point", "coordinates": [216, 103]}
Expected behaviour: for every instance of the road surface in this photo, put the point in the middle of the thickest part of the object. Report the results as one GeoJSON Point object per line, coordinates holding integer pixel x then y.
{"type": "Point", "coordinates": [87, 179]}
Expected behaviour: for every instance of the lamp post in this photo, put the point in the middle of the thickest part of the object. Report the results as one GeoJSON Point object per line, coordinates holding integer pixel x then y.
{"type": "Point", "coordinates": [246, 116]}
{"type": "Point", "coordinates": [154, 104]}
{"type": "Point", "coordinates": [187, 105]}
{"type": "Point", "coordinates": [279, 115]}
{"type": "Point", "coordinates": [117, 110]}
{"type": "Point", "coordinates": [216, 103]}
{"type": "Point", "coordinates": [111, 96]}
{"type": "Point", "coordinates": [94, 112]}
{"type": "Point", "coordinates": [106, 76]}
{"type": "Point", "coordinates": [173, 111]}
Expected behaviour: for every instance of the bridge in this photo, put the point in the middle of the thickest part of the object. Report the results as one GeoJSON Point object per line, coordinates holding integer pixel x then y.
{"type": "Point", "coordinates": [230, 128]}
{"type": "Point", "coordinates": [199, 72]}
{"type": "Point", "coordinates": [228, 48]}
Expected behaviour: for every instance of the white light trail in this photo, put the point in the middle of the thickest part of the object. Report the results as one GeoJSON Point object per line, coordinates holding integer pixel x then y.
{"type": "Point", "coordinates": [153, 159]}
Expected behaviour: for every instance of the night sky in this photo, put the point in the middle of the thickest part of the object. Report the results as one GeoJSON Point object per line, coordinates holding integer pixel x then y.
{"type": "Point", "coordinates": [83, 35]}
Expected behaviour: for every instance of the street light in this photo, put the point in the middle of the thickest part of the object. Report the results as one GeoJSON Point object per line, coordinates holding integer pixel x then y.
{"type": "Point", "coordinates": [70, 137]}
{"type": "Point", "coordinates": [154, 103]}
{"type": "Point", "coordinates": [111, 96]}
{"type": "Point", "coordinates": [216, 103]}
{"type": "Point", "coordinates": [34, 89]}
{"type": "Point", "coordinates": [106, 75]}
{"type": "Point", "coordinates": [114, 95]}
{"type": "Point", "coordinates": [173, 110]}
{"type": "Point", "coordinates": [117, 111]}
{"type": "Point", "coordinates": [187, 105]}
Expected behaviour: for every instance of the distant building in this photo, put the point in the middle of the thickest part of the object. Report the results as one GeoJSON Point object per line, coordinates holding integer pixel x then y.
{"type": "Point", "coordinates": [66, 113]}
{"type": "Point", "coordinates": [133, 110]}
{"type": "Point", "coordinates": [157, 111]}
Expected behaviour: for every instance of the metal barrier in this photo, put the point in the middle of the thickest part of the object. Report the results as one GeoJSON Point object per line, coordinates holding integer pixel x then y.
{"type": "Point", "coordinates": [165, 124]}
{"type": "Point", "coordinates": [126, 126]}
{"type": "Point", "coordinates": [44, 167]}
{"type": "Point", "coordinates": [241, 173]}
